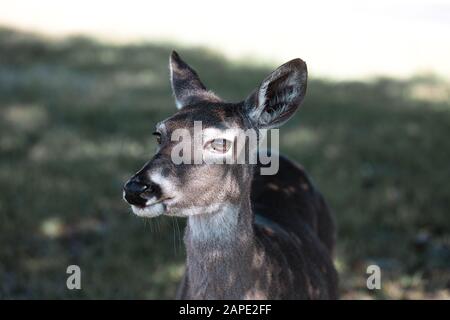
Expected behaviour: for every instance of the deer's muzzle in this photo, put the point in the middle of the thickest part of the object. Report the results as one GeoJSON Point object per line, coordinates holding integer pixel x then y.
{"type": "Point", "coordinates": [137, 192]}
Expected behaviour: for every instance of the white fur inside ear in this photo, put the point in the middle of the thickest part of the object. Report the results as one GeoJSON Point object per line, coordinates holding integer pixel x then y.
{"type": "Point", "coordinates": [177, 103]}
{"type": "Point", "coordinates": [283, 96]}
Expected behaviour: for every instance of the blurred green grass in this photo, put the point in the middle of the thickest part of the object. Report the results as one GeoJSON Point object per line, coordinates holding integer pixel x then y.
{"type": "Point", "coordinates": [75, 121]}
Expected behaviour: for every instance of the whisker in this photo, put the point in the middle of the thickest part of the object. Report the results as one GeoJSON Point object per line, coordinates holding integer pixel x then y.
{"type": "Point", "coordinates": [174, 232]}
{"type": "Point", "coordinates": [180, 244]}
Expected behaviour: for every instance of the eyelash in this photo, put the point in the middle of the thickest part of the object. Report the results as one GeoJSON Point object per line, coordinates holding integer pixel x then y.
{"type": "Point", "coordinates": [158, 137]}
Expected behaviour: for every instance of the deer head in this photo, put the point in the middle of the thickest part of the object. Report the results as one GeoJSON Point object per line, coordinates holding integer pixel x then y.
{"type": "Point", "coordinates": [185, 189]}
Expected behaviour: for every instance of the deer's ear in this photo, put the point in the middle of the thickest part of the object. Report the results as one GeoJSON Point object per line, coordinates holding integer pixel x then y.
{"type": "Point", "coordinates": [186, 84]}
{"type": "Point", "coordinates": [278, 96]}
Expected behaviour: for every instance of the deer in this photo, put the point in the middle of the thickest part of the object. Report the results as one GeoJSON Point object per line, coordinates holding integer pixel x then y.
{"type": "Point", "coordinates": [247, 236]}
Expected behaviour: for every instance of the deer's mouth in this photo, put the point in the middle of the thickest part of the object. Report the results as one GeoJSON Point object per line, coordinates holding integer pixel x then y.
{"type": "Point", "coordinates": [151, 208]}
{"type": "Point", "coordinates": [149, 202]}
{"type": "Point", "coordinates": [162, 200]}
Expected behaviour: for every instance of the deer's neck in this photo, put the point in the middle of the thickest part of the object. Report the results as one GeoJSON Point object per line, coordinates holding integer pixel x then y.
{"type": "Point", "coordinates": [219, 227]}
{"type": "Point", "coordinates": [220, 246]}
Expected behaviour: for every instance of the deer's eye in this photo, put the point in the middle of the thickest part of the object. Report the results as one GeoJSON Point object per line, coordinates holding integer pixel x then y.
{"type": "Point", "coordinates": [220, 145]}
{"type": "Point", "coordinates": [158, 137]}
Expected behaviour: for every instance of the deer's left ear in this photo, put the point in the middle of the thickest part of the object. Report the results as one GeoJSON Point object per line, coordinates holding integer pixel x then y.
{"type": "Point", "coordinates": [278, 96]}
{"type": "Point", "coordinates": [186, 84]}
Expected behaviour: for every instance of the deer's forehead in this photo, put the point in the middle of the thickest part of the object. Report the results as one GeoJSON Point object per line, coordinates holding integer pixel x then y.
{"type": "Point", "coordinates": [217, 117]}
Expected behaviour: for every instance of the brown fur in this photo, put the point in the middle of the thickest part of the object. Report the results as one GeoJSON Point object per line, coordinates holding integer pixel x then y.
{"type": "Point", "coordinates": [282, 257]}
{"type": "Point", "coordinates": [248, 236]}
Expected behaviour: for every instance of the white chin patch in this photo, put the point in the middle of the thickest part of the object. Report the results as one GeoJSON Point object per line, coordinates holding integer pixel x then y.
{"type": "Point", "coordinates": [150, 211]}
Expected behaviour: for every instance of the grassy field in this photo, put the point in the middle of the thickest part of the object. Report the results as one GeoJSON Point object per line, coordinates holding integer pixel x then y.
{"type": "Point", "coordinates": [76, 118]}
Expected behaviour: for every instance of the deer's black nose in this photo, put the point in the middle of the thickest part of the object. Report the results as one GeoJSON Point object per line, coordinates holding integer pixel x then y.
{"type": "Point", "coordinates": [133, 190]}
{"type": "Point", "coordinates": [136, 187]}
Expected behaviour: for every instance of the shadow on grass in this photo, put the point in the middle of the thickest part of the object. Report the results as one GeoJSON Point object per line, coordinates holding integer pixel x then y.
{"type": "Point", "coordinates": [76, 118]}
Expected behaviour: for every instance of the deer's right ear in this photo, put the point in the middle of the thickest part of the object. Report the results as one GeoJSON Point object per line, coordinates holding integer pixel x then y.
{"type": "Point", "coordinates": [279, 95]}
{"type": "Point", "coordinates": [186, 85]}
